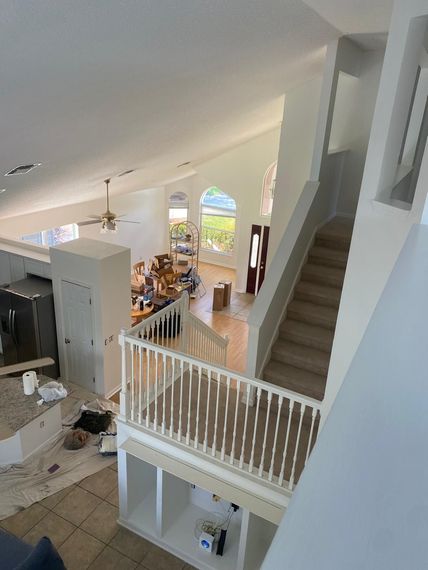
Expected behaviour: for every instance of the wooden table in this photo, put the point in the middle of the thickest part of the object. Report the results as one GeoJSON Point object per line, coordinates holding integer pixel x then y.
{"type": "Point", "coordinates": [138, 315]}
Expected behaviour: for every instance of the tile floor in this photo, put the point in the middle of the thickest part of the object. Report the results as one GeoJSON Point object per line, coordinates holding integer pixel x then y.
{"type": "Point", "coordinates": [81, 522]}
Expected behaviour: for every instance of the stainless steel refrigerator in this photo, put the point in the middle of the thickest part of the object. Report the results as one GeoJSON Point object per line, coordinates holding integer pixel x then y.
{"type": "Point", "coordinates": [27, 323]}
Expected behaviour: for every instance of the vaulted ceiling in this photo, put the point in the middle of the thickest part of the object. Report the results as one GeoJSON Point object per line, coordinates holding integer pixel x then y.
{"type": "Point", "coordinates": [92, 89]}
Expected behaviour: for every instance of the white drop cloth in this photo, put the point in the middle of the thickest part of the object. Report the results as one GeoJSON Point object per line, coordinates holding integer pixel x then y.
{"type": "Point", "coordinates": [23, 484]}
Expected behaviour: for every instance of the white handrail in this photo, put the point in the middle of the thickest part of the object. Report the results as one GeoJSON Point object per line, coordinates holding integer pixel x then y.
{"type": "Point", "coordinates": [209, 409]}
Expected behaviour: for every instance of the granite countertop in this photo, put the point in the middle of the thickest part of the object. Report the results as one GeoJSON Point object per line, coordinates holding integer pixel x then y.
{"type": "Point", "coordinates": [17, 409]}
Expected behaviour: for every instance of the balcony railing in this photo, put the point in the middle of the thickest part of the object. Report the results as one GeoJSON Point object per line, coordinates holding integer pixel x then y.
{"type": "Point", "coordinates": [245, 424]}
{"type": "Point", "coordinates": [217, 240]}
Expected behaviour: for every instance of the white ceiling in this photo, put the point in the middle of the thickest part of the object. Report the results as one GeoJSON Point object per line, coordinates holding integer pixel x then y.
{"type": "Point", "coordinates": [355, 16]}
{"type": "Point", "coordinates": [91, 89]}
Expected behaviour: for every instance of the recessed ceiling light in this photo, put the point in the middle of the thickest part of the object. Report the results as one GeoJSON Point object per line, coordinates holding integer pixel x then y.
{"type": "Point", "coordinates": [125, 172]}
{"type": "Point", "coordinates": [2, 190]}
{"type": "Point", "coordinates": [22, 169]}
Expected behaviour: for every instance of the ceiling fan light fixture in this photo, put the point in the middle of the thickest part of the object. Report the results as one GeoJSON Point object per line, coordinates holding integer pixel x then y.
{"type": "Point", "coordinates": [108, 227]}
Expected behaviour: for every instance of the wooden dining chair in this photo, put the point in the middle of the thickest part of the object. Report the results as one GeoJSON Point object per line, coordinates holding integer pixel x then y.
{"type": "Point", "coordinates": [139, 269]}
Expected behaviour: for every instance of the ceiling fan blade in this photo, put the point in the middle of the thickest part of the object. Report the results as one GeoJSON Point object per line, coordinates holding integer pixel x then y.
{"type": "Point", "coordinates": [88, 223]}
{"type": "Point", "coordinates": [127, 221]}
{"type": "Point", "coordinates": [95, 217]}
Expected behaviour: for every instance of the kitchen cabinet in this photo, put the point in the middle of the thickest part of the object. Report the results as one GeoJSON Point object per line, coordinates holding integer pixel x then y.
{"type": "Point", "coordinates": [17, 268]}
{"type": "Point", "coordinates": [4, 268]}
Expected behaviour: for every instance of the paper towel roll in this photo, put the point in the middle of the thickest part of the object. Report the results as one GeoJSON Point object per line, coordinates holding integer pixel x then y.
{"type": "Point", "coordinates": [29, 380]}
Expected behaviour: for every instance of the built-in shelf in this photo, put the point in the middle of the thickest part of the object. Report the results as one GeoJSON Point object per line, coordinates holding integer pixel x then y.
{"type": "Point", "coordinates": [181, 537]}
{"type": "Point", "coordinates": [164, 508]}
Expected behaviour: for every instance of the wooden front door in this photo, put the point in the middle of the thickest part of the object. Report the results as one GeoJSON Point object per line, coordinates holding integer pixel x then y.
{"type": "Point", "coordinates": [259, 240]}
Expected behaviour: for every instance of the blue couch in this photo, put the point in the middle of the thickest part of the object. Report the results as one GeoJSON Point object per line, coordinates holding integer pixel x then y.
{"type": "Point", "coordinates": [15, 554]}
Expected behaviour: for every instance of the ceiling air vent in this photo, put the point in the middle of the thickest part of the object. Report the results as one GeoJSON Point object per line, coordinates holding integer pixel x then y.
{"type": "Point", "coordinates": [22, 169]}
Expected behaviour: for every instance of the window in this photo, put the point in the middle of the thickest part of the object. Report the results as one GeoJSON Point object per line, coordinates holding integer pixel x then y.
{"type": "Point", "coordinates": [54, 236]}
{"type": "Point", "coordinates": [218, 217]}
{"type": "Point", "coordinates": [178, 208]}
{"type": "Point", "coordinates": [268, 190]}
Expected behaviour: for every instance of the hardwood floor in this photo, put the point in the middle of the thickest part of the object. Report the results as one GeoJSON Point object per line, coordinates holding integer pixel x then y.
{"type": "Point", "coordinates": [232, 321]}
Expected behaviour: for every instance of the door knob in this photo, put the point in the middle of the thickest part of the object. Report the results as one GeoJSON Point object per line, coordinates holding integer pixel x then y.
{"type": "Point", "coordinates": [67, 341]}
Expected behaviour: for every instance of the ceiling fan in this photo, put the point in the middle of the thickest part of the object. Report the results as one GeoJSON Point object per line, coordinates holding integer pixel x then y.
{"type": "Point", "coordinates": [109, 219]}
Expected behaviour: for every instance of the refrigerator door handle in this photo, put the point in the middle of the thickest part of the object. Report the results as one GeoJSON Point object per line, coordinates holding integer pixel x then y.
{"type": "Point", "coordinates": [13, 323]}
{"type": "Point", "coordinates": [10, 322]}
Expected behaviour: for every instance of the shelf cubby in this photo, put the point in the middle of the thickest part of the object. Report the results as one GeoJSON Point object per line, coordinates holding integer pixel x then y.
{"type": "Point", "coordinates": [165, 509]}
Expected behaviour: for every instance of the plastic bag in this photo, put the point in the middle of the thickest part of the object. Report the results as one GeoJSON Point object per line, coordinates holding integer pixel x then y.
{"type": "Point", "coordinates": [52, 391]}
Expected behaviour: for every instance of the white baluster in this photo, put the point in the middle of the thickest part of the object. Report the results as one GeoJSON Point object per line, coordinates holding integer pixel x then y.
{"type": "Point", "coordinates": [214, 446]}
{"type": "Point", "coordinates": [132, 384]}
{"type": "Point", "coordinates": [262, 459]}
{"type": "Point", "coordinates": [189, 404]}
{"type": "Point", "coordinates": [148, 389]}
{"type": "Point", "coordinates": [164, 392]}
{"type": "Point", "coordinates": [244, 432]}
{"type": "Point", "coordinates": [195, 445]}
{"type": "Point", "coordinates": [124, 396]}
{"type": "Point", "coordinates": [223, 447]}
{"type": "Point", "coordinates": [293, 469]}
{"type": "Point", "coordinates": [278, 417]}
{"type": "Point", "coordinates": [140, 387]}
{"type": "Point", "coordinates": [180, 411]}
{"type": "Point", "coordinates": [314, 415]}
{"type": "Point", "coordinates": [232, 452]}
{"type": "Point", "coordinates": [155, 424]}
{"type": "Point", "coordinates": [253, 445]}
{"type": "Point", "coordinates": [207, 413]}
{"type": "Point", "coordinates": [171, 419]}
{"type": "Point", "coordinates": [284, 455]}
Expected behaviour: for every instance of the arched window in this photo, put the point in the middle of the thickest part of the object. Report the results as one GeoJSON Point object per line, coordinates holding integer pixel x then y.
{"type": "Point", "coordinates": [268, 190]}
{"type": "Point", "coordinates": [218, 218]}
{"type": "Point", "coordinates": [178, 208]}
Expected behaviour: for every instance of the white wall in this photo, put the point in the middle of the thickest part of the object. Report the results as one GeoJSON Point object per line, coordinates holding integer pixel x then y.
{"type": "Point", "coordinates": [352, 119]}
{"type": "Point", "coordinates": [239, 172]}
{"type": "Point", "coordinates": [295, 155]}
{"type": "Point", "coordinates": [104, 268]}
{"type": "Point", "coordinates": [361, 502]}
{"type": "Point", "coordinates": [416, 117]}
{"type": "Point", "coordinates": [381, 227]}
{"type": "Point", "coordinates": [145, 239]}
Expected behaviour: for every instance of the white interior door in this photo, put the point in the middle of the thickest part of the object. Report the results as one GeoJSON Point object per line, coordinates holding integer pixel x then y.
{"type": "Point", "coordinates": [78, 334]}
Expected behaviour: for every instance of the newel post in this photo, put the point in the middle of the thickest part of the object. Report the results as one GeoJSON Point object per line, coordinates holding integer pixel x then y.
{"type": "Point", "coordinates": [124, 396]}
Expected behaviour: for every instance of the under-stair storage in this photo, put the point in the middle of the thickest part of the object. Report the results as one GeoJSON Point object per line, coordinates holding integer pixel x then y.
{"type": "Point", "coordinates": [169, 511]}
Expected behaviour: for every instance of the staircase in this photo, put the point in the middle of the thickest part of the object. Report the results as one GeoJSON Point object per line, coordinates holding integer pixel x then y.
{"type": "Point", "coordinates": [301, 354]}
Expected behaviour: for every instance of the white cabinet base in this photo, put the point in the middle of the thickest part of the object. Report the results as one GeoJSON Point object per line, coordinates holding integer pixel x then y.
{"type": "Point", "coordinates": [31, 437]}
